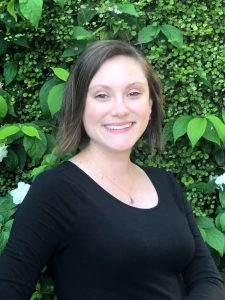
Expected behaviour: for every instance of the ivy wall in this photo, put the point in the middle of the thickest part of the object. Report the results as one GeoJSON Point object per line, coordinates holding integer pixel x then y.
{"type": "Point", "coordinates": [184, 41]}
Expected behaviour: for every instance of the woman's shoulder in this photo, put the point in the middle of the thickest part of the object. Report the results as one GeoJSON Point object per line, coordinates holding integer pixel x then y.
{"type": "Point", "coordinates": [55, 179]}
{"type": "Point", "coordinates": [159, 173]}
{"type": "Point", "coordinates": [51, 187]}
{"type": "Point", "coordinates": [55, 174]}
{"type": "Point", "coordinates": [49, 176]}
{"type": "Point", "coordinates": [164, 179]}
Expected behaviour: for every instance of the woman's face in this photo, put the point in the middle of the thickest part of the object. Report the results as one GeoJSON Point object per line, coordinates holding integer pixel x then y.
{"type": "Point", "coordinates": [118, 107]}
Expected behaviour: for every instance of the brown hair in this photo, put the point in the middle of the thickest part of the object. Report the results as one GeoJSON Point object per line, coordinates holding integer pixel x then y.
{"type": "Point", "coordinates": [71, 132]}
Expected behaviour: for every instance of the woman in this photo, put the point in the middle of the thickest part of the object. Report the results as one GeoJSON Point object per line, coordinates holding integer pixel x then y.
{"type": "Point", "coordinates": [106, 228]}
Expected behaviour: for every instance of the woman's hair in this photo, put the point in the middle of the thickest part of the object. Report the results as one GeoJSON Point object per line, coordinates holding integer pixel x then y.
{"type": "Point", "coordinates": [71, 133]}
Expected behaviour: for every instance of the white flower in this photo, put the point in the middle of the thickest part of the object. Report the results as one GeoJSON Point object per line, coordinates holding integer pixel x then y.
{"type": "Point", "coordinates": [3, 152]}
{"type": "Point", "coordinates": [20, 192]}
{"type": "Point", "coordinates": [220, 181]}
{"type": "Point", "coordinates": [115, 10]}
{"type": "Point", "coordinates": [1, 85]}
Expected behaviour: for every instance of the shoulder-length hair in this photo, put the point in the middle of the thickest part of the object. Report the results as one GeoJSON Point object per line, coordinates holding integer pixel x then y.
{"type": "Point", "coordinates": [71, 133]}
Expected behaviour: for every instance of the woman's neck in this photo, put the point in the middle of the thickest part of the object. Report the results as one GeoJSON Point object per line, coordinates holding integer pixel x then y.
{"type": "Point", "coordinates": [112, 163]}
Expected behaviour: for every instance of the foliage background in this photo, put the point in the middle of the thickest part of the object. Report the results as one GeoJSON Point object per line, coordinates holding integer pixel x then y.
{"type": "Point", "coordinates": [184, 41]}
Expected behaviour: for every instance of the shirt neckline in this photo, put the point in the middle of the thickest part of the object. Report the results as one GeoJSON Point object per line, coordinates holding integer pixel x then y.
{"type": "Point", "coordinates": [118, 201]}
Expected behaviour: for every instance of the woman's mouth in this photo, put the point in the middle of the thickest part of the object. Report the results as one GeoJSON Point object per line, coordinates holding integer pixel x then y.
{"type": "Point", "coordinates": [122, 127]}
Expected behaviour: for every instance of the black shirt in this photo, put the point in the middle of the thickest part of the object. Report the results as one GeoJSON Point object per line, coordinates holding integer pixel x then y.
{"type": "Point", "coordinates": [99, 248]}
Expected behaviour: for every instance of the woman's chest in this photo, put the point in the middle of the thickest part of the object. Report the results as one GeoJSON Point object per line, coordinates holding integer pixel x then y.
{"type": "Point", "coordinates": [111, 235]}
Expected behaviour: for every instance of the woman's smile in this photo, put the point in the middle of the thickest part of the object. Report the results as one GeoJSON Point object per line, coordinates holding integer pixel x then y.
{"type": "Point", "coordinates": [121, 127]}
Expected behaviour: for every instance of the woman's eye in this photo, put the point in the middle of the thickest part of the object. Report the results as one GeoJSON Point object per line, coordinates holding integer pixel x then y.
{"type": "Point", "coordinates": [101, 96]}
{"type": "Point", "coordinates": [134, 94]}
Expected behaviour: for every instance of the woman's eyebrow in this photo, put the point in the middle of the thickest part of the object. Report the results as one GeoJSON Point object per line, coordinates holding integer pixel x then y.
{"type": "Point", "coordinates": [99, 86]}
{"type": "Point", "coordinates": [109, 86]}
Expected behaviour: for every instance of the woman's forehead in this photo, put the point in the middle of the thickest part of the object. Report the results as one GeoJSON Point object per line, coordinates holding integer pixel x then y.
{"type": "Point", "coordinates": [120, 68]}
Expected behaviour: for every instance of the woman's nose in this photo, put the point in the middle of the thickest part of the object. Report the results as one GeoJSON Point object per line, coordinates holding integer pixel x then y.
{"type": "Point", "coordinates": [120, 107]}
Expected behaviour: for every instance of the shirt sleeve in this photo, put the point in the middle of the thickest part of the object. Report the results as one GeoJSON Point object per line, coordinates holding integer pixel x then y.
{"type": "Point", "coordinates": [201, 277]}
{"type": "Point", "coordinates": [34, 237]}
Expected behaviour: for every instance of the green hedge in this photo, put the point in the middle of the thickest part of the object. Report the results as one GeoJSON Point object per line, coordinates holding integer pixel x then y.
{"type": "Point", "coordinates": [184, 41]}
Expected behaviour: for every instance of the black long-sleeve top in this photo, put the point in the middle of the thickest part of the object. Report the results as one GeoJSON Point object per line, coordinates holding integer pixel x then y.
{"type": "Point", "coordinates": [99, 248]}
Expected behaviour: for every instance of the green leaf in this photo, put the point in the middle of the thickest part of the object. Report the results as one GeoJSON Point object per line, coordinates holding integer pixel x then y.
{"type": "Point", "coordinates": [210, 134]}
{"type": "Point", "coordinates": [180, 126]}
{"type": "Point", "coordinates": [126, 9]}
{"type": "Point", "coordinates": [21, 155]}
{"type": "Point", "coordinates": [4, 46]}
{"type": "Point", "coordinates": [217, 221]}
{"type": "Point", "coordinates": [35, 148]}
{"type": "Point", "coordinates": [203, 233]}
{"type": "Point", "coordinates": [203, 187]}
{"type": "Point", "coordinates": [31, 10]}
{"type": "Point", "coordinates": [11, 160]}
{"type": "Point", "coordinates": [11, 110]}
{"type": "Point", "coordinates": [85, 15]}
{"type": "Point", "coordinates": [219, 126]}
{"type": "Point", "coordinates": [223, 115]}
{"type": "Point", "coordinates": [1, 221]}
{"type": "Point", "coordinates": [205, 222]}
{"type": "Point", "coordinates": [195, 129]}
{"type": "Point", "coordinates": [202, 74]}
{"type": "Point", "coordinates": [36, 295]}
{"type": "Point", "coordinates": [5, 95]}
{"type": "Point", "coordinates": [222, 198]}
{"type": "Point", "coordinates": [4, 236]}
{"type": "Point", "coordinates": [22, 41]}
{"type": "Point", "coordinates": [55, 98]}
{"type": "Point", "coordinates": [222, 221]}
{"type": "Point", "coordinates": [61, 2]}
{"type": "Point", "coordinates": [9, 22]}
{"type": "Point", "coordinates": [168, 132]}
{"type": "Point", "coordinates": [30, 131]}
{"type": "Point", "coordinates": [7, 207]}
{"type": "Point", "coordinates": [51, 142]}
{"type": "Point", "coordinates": [100, 29]}
{"type": "Point", "coordinates": [10, 71]}
{"type": "Point", "coordinates": [220, 157]}
{"type": "Point", "coordinates": [81, 33]}
{"type": "Point", "coordinates": [8, 214]}
{"type": "Point", "coordinates": [11, 9]}
{"type": "Point", "coordinates": [148, 33]}
{"type": "Point", "coordinates": [3, 107]}
{"type": "Point", "coordinates": [8, 225]}
{"type": "Point", "coordinates": [61, 73]}
{"type": "Point", "coordinates": [206, 146]}
{"type": "Point", "coordinates": [50, 159]}
{"type": "Point", "coordinates": [174, 35]}
{"type": "Point", "coordinates": [38, 170]}
{"type": "Point", "coordinates": [74, 50]}
{"type": "Point", "coordinates": [216, 240]}
{"type": "Point", "coordinates": [8, 131]}
{"type": "Point", "coordinates": [8, 97]}
{"type": "Point", "coordinates": [43, 95]}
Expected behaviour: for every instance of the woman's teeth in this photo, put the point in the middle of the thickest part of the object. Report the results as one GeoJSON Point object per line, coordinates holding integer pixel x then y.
{"type": "Point", "coordinates": [118, 127]}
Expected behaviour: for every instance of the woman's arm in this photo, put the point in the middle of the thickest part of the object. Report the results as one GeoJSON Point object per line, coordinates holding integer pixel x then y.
{"type": "Point", "coordinates": [201, 277]}
{"type": "Point", "coordinates": [35, 235]}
